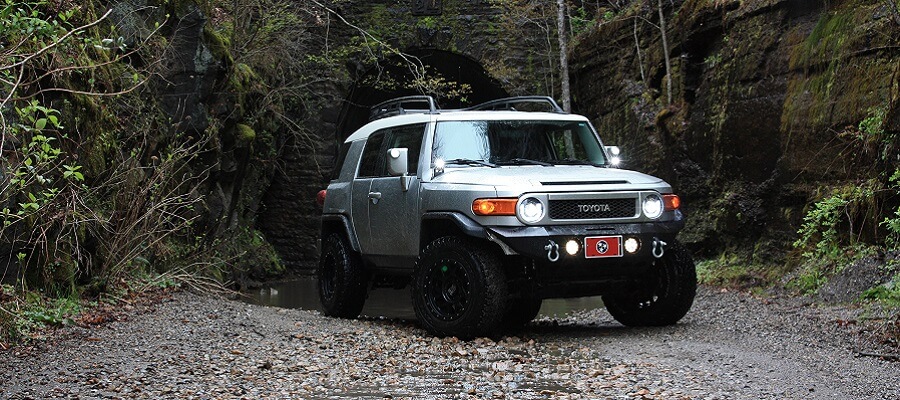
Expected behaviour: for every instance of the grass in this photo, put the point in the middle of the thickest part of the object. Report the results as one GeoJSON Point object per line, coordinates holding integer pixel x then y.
{"type": "Point", "coordinates": [742, 269]}
{"type": "Point", "coordinates": [29, 315]}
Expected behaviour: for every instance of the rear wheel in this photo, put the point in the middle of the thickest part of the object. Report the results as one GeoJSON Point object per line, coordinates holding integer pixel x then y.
{"type": "Point", "coordinates": [342, 280]}
{"type": "Point", "coordinates": [459, 288]}
{"type": "Point", "coordinates": [668, 297]}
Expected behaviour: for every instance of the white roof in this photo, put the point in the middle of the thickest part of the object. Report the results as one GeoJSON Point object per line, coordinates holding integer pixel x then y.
{"type": "Point", "coordinates": [451, 115]}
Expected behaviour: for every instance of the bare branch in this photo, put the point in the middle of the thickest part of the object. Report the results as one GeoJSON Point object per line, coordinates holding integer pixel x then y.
{"type": "Point", "coordinates": [84, 92]}
{"type": "Point", "coordinates": [416, 67]}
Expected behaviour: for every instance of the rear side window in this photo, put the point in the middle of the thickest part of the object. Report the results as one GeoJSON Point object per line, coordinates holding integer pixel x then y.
{"type": "Point", "coordinates": [373, 162]}
{"type": "Point", "coordinates": [339, 161]}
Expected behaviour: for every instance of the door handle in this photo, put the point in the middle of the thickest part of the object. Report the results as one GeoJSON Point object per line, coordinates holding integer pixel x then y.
{"type": "Point", "coordinates": [374, 197]}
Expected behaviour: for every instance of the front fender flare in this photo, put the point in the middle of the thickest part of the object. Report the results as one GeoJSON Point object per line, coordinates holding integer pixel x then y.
{"type": "Point", "coordinates": [464, 223]}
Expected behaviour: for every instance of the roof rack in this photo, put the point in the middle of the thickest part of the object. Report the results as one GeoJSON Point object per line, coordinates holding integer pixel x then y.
{"type": "Point", "coordinates": [508, 102]}
{"type": "Point", "coordinates": [395, 107]}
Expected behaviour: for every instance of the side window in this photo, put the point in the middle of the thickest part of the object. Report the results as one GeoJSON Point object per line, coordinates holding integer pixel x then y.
{"type": "Point", "coordinates": [410, 137]}
{"type": "Point", "coordinates": [371, 163]}
{"type": "Point", "coordinates": [339, 161]}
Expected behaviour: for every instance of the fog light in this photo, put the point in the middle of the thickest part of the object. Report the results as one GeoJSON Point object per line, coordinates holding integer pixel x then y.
{"type": "Point", "coordinates": [632, 245]}
{"type": "Point", "coordinates": [572, 247]}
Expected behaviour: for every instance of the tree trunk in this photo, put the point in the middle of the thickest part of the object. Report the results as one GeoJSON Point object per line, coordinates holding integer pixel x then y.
{"type": "Point", "coordinates": [563, 55]}
{"type": "Point", "coordinates": [665, 43]}
{"type": "Point", "coordinates": [640, 59]}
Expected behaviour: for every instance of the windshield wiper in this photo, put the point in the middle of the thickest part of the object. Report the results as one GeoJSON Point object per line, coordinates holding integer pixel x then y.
{"type": "Point", "coordinates": [466, 161]}
{"type": "Point", "coordinates": [521, 161]}
{"type": "Point", "coordinates": [572, 161]}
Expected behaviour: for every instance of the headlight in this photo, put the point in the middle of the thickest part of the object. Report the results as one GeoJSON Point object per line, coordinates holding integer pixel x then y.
{"type": "Point", "coordinates": [531, 210]}
{"type": "Point", "coordinates": [653, 206]}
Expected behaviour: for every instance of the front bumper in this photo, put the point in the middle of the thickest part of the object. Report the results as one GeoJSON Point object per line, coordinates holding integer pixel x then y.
{"type": "Point", "coordinates": [575, 275]}
{"type": "Point", "coordinates": [533, 241]}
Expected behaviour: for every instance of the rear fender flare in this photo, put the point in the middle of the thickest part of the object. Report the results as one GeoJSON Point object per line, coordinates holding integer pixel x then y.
{"type": "Point", "coordinates": [341, 224]}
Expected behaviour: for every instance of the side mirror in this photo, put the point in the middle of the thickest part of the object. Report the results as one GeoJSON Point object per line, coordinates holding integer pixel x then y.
{"type": "Point", "coordinates": [614, 153]}
{"type": "Point", "coordinates": [398, 161]}
{"type": "Point", "coordinates": [398, 165]}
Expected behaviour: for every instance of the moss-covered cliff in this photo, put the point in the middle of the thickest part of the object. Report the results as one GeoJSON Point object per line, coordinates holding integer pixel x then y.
{"type": "Point", "coordinates": [777, 104]}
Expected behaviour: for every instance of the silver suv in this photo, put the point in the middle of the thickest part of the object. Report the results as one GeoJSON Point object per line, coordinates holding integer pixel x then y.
{"type": "Point", "coordinates": [486, 211]}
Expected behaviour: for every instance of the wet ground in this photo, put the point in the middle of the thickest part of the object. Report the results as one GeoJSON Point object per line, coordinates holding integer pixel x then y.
{"type": "Point", "coordinates": [387, 303]}
{"type": "Point", "coordinates": [730, 346]}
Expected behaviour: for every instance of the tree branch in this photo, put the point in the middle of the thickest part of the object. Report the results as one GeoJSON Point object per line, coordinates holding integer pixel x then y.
{"type": "Point", "coordinates": [417, 68]}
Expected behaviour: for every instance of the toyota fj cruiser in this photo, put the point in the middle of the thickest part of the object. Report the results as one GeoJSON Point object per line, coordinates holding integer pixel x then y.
{"type": "Point", "coordinates": [486, 211]}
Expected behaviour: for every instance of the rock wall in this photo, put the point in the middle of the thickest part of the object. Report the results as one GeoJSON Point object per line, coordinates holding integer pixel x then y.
{"type": "Point", "coordinates": [768, 96]}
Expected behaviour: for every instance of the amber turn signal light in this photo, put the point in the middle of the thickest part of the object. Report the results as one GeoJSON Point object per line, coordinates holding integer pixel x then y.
{"type": "Point", "coordinates": [671, 201]}
{"type": "Point", "coordinates": [494, 206]}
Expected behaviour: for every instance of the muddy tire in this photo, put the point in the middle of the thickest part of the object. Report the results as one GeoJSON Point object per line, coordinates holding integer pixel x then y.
{"type": "Point", "coordinates": [668, 296]}
{"type": "Point", "coordinates": [521, 311]}
{"type": "Point", "coordinates": [341, 279]}
{"type": "Point", "coordinates": [459, 288]}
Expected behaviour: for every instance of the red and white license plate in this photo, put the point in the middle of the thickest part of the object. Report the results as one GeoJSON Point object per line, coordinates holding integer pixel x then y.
{"type": "Point", "coordinates": [602, 246]}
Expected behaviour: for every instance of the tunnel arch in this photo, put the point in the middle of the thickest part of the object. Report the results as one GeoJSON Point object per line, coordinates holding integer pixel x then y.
{"type": "Point", "coordinates": [292, 226]}
{"type": "Point", "coordinates": [384, 81]}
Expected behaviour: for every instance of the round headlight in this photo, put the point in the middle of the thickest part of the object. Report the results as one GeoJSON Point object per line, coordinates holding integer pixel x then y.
{"type": "Point", "coordinates": [531, 210]}
{"type": "Point", "coordinates": [653, 206]}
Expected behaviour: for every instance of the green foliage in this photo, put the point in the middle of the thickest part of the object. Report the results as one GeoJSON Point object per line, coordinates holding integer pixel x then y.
{"type": "Point", "coordinates": [819, 234]}
{"type": "Point", "coordinates": [743, 267]}
{"type": "Point", "coordinates": [712, 60]}
{"type": "Point", "coordinates": [829, 237]}
{"type": "Point", "coordinates": [580, 21]}
{"type": "Point", "coordinates": [25, 314]}
{"type": "Point", "coordinates": [62, 185]}
{"type": "Point", "coordinates": [892, 223]}
{"type": "Point", "coordinates": [888, 292]}
{"type": "Point", "coordinates": [873, 125]}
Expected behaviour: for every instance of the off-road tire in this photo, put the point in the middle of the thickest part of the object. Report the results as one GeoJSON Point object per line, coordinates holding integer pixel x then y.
{"type": "Point", "coordinates": [459, 288]}
{"type": "Point", "coordinates": [341, 279]}
{"type": "Point", "coordinates": [521, 311]}
{"type": "Point", "coordinates": [669, 295]}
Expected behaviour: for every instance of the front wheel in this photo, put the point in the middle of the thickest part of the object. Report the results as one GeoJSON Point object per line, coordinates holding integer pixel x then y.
{"type": "Point", "coordinates": [668, 297]}
{"type": "Point", "coordinates": [459, 288]}
{"type": "Point", "coordinates": [341, 278]}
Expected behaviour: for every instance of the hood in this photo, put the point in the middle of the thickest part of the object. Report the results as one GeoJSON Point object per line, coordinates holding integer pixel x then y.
{"type": "Point", "coordinates": [538, 176]}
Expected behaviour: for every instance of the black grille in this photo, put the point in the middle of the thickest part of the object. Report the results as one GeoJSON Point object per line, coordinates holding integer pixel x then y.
{"type": "Point", "coordinates": [592, 208]}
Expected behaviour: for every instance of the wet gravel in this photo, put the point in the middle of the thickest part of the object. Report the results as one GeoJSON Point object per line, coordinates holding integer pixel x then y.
{"type": "Point", "coordinates": [730, 346]}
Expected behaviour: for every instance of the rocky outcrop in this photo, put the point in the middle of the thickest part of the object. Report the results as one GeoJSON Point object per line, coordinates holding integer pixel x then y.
{"type": "Point", "coordinates": [768, 97]}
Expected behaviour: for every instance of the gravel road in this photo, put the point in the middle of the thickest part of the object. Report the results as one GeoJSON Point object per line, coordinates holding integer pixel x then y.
{"type": "Point", "coordinates": [730, 346]}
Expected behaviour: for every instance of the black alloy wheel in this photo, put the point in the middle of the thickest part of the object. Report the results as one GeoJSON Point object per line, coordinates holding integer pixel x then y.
{"type": "Point", "coordinates": [667, 296]}
{"type": "Point", "coordinates": [341, 279]}
{"type": "Point", "coordinates": [459, 288]}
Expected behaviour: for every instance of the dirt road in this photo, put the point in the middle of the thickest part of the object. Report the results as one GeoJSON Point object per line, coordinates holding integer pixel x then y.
{"type": "Point", "coordinates": [730, 346]}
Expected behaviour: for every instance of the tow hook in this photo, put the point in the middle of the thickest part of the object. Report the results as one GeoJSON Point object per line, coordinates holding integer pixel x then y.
{"type": "Point", "coordinates": [552, 251]}
{"type": "Point", "coordinates": [659, 248]}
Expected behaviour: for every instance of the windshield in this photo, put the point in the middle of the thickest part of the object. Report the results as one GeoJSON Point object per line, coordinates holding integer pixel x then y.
{"type": "Point", "coordinates": [539, 143]}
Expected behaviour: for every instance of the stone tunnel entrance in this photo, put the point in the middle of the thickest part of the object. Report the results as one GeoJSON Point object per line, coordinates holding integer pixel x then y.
{"type": "Point", "coordinates": [446, 71]}
{"type": "Point", "coordinates": [290, 217]}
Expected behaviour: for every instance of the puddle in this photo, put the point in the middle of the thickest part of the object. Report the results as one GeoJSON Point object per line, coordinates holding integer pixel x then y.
{"type": "Point", "coordinates": [386, 303]}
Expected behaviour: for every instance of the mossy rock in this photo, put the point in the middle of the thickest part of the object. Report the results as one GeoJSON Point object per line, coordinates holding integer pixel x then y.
{"type": "Point", "coordinates": [244, 133]}
{"type": "Point", "coordinates": [218, 44]}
